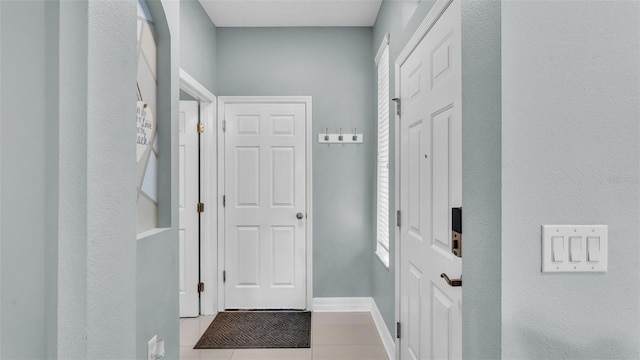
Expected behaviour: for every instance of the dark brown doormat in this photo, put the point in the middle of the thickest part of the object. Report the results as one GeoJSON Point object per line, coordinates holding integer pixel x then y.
{"type": "Point", "coordinates": [258, 329]}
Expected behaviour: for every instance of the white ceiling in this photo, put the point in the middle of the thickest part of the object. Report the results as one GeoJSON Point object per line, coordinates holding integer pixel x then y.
{"type": "Point", "coordinates": [285, 13]}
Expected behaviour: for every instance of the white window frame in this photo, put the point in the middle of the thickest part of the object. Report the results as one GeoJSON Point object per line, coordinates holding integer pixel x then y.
{"type": "Point", "coordinates": [382, 172]}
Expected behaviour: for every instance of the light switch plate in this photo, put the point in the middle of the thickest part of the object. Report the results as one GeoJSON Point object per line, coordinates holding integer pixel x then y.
{"type": "Point", "coordinates": [578, 248]}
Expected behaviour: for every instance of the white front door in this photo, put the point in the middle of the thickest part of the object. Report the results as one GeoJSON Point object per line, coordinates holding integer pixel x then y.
{"type": "Point", "coordinates": [430, 186]}
{"type": "Point", "coordinates": [265, 205]}
{"type": "Point", "coordinates": [188, 215]}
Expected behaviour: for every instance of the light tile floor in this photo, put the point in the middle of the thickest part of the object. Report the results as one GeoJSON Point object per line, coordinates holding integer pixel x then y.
{"type": "Point", "coordinates": [334, 336]}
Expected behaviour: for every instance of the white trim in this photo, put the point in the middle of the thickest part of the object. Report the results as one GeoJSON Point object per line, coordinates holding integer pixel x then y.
{"type": "Point", "coordinates": [385, 42]}
{"type": "Point", "coordinates": [359, 304]}
{"type": "Point", "coordinates": [383, 256]}
{"type": "Point", "coordinates": [192, 87]}
{"type": "Point", "coordinates": [208, 225]}
{"type": "Point", "coordinates": [221, 214]}
{"type": "Point", "coordinates": [342, 304]}
{"type": "Point", "coordinates": [387, 339]}
{"type": "Point", "coordinates": [383, 148]}
{"type": "Point", "coordinates": [307, 101]}
{"type": "Point", "coordinates": [396, 242]}
{"type": "Point", "coordinates": [434, 14]}
{"type": "Point", "coordinates": [309, 164]}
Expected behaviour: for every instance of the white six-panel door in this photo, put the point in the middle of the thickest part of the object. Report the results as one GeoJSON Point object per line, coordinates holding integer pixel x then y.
{"type": "Point", "coordinates": [430, 186]}
{"type": "Point", "coordinates": [188, 214]}
{"type": "Point", "coordinates": [265, 193]}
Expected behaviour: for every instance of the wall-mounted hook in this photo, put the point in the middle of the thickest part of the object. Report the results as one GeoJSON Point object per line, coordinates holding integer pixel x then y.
{"type": "Point", "coordinates": [339, 138]}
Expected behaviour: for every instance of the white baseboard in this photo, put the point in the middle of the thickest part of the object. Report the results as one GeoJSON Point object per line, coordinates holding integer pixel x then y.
{"type": "Point", "coordinates": [359, 304]}
{"type": "Point", "coordinates": [342, 304]}
{"type": "Point", "coordinates": [387, 339]}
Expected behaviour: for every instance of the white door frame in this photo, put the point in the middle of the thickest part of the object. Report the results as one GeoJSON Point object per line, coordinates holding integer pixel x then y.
{"type": "Point", "coordinates": [306, 100]}
{"type": "Point", "coordinates": [208, 166]}
{"type": "Point", "coordinates": [434, 14]}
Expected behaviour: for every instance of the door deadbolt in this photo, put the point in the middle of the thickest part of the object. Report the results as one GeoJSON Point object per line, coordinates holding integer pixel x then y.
{"type": "Point", "coordinates": [456, 231]}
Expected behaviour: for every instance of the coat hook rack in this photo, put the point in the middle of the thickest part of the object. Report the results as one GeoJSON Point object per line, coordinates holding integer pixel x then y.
{"type": "Point", "coordinates": [340, 137]}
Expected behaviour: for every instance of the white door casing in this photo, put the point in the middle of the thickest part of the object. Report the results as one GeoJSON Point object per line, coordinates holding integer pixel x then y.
{"type": "Point", "coordinates": [208, 191]}
{"type": "Point", "coordinates": [265, 188]}
{"type": "Point", "coordinates": [188, 215]}
{"type": "Point", "coordinates": [430, 186]}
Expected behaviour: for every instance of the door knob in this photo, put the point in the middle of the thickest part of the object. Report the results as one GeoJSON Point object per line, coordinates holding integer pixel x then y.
{"type": "Point", "coordinates": [451, 282]}
{"type": "Point", "coordinates": [299, 216]}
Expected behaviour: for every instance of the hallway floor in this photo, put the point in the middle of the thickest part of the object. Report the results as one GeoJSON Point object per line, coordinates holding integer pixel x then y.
{"type": "Point", "coordinates": [334, 336]}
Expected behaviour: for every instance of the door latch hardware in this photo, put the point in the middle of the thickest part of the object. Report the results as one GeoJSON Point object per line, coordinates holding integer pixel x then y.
{"type": "Point", "coordinates": [200, 207]}
{"type": "Point", "coordinates": [201, 287]}
{"type": "Point", "coordinates": [398, 105]}
{"type": "Point", "coordinates": [398, 330]}
{"type": "Point", "coordinates": [451, 282]}
{"type": "Point", "coordinates": [200, 128]}
{"type": "Point", "coordinates": [456, 231]}
{"type": "Point", "coordinates": [398, 218]}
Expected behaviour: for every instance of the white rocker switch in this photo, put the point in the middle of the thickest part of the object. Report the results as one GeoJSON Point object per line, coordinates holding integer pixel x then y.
{"type": "Point", "coordinates": [593, 246]}
{"type": "Point", "coordinates": [557, 243]}
{"type": "Point", "coordinates": [575, 248]}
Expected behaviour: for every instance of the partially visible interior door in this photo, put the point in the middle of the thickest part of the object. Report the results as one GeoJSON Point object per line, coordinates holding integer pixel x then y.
{"type": "Point", "coordinates": [430, 186]}
{"type": "Point", "coordinates": [265, 211]}
{"type": "Point", "coordinates": [189, 266]}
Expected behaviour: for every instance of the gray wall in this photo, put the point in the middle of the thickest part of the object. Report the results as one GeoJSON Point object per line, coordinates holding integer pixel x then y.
{"type": "Point", "coordinates": [1, 203]}
{"type": "Point", "coordinates": [481, 173]}
{"type": "Point", "coordinates": [97, 207]}
{"type": "Point", "coordinates": [26, 226]}
{"type": "Point", "coordinates": [157, 252]}
{"type": "Point", "coordinates": [335, 67]}
{"type": "Point", "coordinates": [185, 96]}
{"type": "Point", "coordinates": [70, 262]}
{"type": "Point", "coordinates": [570, 156]}
{"type": "Point", "coordinates": [72, 217]}
{"type": "Point", "coordinates": [198, 44]}
{"type": "Point", "coordinates": [110, 202]}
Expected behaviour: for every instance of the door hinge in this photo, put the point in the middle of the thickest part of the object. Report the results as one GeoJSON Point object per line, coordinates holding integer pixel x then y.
{"type": "Point", "coordinates": [201, 287]}
{"type": "Point", "coordinates": [224, 125]}
{"type": "Point", "coordinates": [200, 128]}
{"type": "Point", "coordinates": [398, 218]}
{"type": "Point", "coordinates": [398, 330]}
{"type": "Point", "coordinates": [224, 200]}
{"type": "Point", "coordinates": [398, 105]}
{"type": "Point", "coordinates": [200, 207]}
{"type": "Point", "coordinates": [224, 276]}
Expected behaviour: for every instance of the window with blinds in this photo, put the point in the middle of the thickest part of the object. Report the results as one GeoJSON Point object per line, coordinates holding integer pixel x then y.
{"type": "Point", "coordinates": [382, 63]}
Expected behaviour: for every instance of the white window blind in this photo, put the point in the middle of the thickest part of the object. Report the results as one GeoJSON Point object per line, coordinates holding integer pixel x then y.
{"type": "Point", "coordinates": [382, 63]}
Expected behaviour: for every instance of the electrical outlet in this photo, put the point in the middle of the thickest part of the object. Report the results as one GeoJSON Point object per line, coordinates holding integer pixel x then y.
{"type": "Point", "coordinates": [151, 348]}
